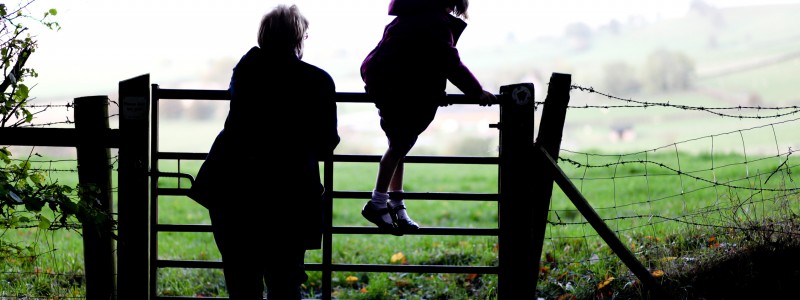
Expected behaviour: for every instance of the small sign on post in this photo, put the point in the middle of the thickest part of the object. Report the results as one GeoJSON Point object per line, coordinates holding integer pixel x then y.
{"type": "Point", "coordinates": [134, 108]}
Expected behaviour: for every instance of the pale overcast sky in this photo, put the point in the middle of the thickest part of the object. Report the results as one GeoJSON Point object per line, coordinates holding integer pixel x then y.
{"type": "Point", "coordinates": [103, 42]}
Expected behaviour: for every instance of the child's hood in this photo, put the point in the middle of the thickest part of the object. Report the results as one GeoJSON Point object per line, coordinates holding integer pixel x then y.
{"type": "Point", "coordinates": [405, 7]}
{"type": "Point", "coordinates": [408, 7]}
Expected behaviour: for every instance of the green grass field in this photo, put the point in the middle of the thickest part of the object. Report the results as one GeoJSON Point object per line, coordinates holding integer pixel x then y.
{"type": "Point", "coordinates": [654, 201]}
{"type": "Point", "coordinates": [376, 249]}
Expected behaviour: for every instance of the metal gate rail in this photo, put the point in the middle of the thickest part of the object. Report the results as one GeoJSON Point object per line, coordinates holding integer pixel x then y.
{"type": "Point", "coordinates": [327, 267]}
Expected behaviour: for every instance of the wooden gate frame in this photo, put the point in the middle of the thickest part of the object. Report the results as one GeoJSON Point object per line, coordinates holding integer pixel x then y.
{"type": "Point", "coordinates": [522, 211]}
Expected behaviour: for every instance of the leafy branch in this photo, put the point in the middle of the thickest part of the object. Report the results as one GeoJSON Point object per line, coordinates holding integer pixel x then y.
{"type": "Point", "coordinates": [27, 196]}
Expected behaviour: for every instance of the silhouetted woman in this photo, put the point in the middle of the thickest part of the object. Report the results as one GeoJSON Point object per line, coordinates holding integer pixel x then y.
{"type": "Point", "coordinates": [261, 180]}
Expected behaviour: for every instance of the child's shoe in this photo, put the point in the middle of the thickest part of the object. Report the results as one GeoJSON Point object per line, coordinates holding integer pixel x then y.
{"type": "Point", "coordinates": [399, 214]}
{"type": "Point", "coordinates": [380, 217]}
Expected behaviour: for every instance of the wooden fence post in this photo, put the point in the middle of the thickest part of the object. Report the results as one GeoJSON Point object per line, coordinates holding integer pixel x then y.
{"type": "Point", "coordinates": [94, 172]}
{"type": "Point", "coordinates": [551, 128]}
{"type": "Point", "coordinates": [133, 244]}
{"type": "Point", "coordinates": [517, 266]}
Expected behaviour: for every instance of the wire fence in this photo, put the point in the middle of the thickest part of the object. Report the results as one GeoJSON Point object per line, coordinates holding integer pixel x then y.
{"type": "Point", "coordinates": [673, 203]}
{"type": "Point", "coordinates": [45, 261]}
{"type": "Point", "coordinates": [666, 203]}
{"type": "Point", "coordinates": [60, 110]}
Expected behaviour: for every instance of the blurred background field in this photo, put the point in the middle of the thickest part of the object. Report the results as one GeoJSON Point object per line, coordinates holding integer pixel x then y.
{"type": "Point", "coordinates": [697, 53]}
{"type": "Point", "coordinates": [674, 181]}
{"type": "Point", "coordinates": [710, 57]}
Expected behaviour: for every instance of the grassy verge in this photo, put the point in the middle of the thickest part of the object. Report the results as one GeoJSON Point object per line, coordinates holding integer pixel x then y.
{"type": "Point", "coordinates": [675, 211]}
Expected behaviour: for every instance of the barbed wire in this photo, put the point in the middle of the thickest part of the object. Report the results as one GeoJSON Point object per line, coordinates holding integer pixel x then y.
{"type": "Point", "coordinates": [114, 162]}
{"type": "Point", "coordinates": [48, 124]}
{"type": "Point", "coordinates": [794, 109]}
{"type": "Point", "coordinates": [46, 161]}
{"type": "Point", "coordinates": [679, 172]}
{"type": "Point", "coordinates": [700, 212]}
{"type": "Point", "coordinates": [41, 108]}
{"type": "Point", "coordinates": [66, 105]}
{"type": "Point", "coordinates": [713, 110]}
{"type": "Point", "coordinates": [46, 106]}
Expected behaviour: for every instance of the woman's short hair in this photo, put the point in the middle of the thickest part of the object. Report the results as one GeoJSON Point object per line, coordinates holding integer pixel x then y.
{"type": "Point", "coordinates": [459, 7]}
{"type": "Point", "coordinates": [283, 29]}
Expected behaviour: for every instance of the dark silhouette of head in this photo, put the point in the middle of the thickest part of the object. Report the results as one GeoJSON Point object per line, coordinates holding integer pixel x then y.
{"type": "Point", "coordinates": [283, 30]}
{"type": "Point", "coordinates": [458, 8]}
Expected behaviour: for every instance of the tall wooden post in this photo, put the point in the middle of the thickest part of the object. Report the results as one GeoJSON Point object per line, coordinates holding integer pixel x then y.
{"type": "Point", "coordinates": [94, 173]}
{"type": "Point", "coordinates": [551, 128]}
{"type": "Point", "coordinates": [518, 266]}
{"type": "Point", "coordinates": [133, 246]}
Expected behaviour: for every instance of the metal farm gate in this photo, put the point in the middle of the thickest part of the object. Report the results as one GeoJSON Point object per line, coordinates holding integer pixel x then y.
{"type": "Point", "coordinates": [514, 259]}
{"type": "Point", "coordinates": [527, 172]}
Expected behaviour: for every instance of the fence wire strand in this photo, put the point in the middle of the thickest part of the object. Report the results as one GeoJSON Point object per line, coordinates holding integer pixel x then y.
{"type": "Point", "coordinates": [665, 204]}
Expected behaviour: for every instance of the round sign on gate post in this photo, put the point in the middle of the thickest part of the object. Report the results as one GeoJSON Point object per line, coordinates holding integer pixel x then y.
{"type": "Point", "coordinates": [519, 103]}
{"type": "Point", "coordinates": [520, 94]}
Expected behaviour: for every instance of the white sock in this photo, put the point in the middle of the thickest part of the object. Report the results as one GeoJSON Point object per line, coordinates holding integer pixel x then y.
{"type": "Point", "coordinates": [379, 199]}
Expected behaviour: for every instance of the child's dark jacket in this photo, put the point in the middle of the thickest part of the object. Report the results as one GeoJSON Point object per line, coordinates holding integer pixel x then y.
{"type": "Point", "coordinates": [417, 54]}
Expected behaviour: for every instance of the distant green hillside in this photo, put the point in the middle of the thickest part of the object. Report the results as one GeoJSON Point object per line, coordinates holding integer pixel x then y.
{"type": "Point", "coordinates": [747, 56]}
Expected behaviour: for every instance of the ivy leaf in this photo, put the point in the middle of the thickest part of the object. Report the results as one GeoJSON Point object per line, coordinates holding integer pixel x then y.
{"type": "Point", "coordinates": [44, 223]}
{"type": "Point", "coordinates": [37, 179]}
{"type": "Point", "coordinates": [24, 165]}
{"type": "Point", "coordinates": [22, 92]}
{"type": "Point", "coordinates": [53, 11]}
{"type": "Point", "coordinates": [4, 155]}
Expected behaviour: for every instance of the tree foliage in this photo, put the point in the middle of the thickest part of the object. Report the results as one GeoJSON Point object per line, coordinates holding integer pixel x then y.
{"type": "Point", "coordinates": [16, 46]}
{"type": "Point", "coordinates": [668, 71]}
{"type": "Point", "coordinates": [28, 198]}
{"type": "Point", "coordinates": [621, 78]}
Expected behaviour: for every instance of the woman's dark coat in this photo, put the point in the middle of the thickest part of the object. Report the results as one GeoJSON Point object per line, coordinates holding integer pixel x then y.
{"type": "Point", "coordinates": [264, 164]}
